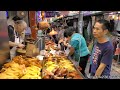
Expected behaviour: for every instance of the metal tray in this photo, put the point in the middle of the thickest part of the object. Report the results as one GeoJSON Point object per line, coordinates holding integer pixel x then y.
{"type": "Point", "coordinates": [78, 70]}
{"type": "Point", "coordinates": [70, 61]}
{"type": "Point", "coordinates": [43, 67]}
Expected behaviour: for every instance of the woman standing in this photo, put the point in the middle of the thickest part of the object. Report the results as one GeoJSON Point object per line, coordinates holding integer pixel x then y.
{"type": "Point", "coordinates": [78, 50]}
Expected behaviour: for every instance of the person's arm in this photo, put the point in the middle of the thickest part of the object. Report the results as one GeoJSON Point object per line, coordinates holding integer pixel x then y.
{"type": "Point", "coordinates": [106, 60]}
{"type": "Point", "coordinates": [74, 45]}
{"type": "Point", "coordinates": [72, 50]}
{"type": "Point", "coordinates": [65, 42]}
{"type": "Point", "coordinates": [12, 44]}
{"type": "Point", "coordinates": [100, 70]}
{"type": "Point", "coordinates": [60, 41]}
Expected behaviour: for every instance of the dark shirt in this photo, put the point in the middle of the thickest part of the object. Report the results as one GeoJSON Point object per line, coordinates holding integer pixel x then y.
{"type": "Point", "coordinates": [102, 53]}
{"type": "Point", "coordinates": [11, 34]}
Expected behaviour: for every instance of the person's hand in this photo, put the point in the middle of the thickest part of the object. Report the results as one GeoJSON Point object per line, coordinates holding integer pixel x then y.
{"type": "Point", "coordinates": [79, 68]}
{"type": "Point", "coordinates": [20, 45]}
{"type": "Point", "coordinates": [94, 77]}
{"type": "Point", "coordinates": [64, 42]}
{"type": "Point", "coordinates": [61, 40]}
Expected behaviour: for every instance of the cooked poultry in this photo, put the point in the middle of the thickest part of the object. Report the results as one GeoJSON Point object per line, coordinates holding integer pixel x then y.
{"type": "Point", "coordinates": [32, 72]}
{"type": "Point", "coordinates": [59, 67]}
{"type": "Point", "coordinates": [22, 68]}
{"type": "Point", "coordinates": [54, 66]}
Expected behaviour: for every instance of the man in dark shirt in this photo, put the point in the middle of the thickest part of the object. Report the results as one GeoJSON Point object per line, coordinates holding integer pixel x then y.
{"type": "Point", "coordinates": [102, 53]}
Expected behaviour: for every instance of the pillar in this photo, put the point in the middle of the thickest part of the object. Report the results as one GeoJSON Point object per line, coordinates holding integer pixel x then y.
{"type": "Point", "coordinates": [80, 22]}
{"type": "Point", "coordinates": [4, 46]}
{"type": "Point", "coordinates": [32, 19]}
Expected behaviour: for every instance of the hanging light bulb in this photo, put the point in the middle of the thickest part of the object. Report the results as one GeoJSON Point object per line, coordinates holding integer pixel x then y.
{"type": "Point", "coordinates": [53, 32]}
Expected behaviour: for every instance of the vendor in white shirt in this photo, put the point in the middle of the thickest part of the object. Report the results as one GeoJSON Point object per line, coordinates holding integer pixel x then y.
{"type": "Point", "coordinates": [15, 38]}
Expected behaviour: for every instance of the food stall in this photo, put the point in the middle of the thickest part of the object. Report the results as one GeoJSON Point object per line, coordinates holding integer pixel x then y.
{"type": "Point", "coordinates": [33, 63]}
{"type": "Point", "coordinates": [50, 63]}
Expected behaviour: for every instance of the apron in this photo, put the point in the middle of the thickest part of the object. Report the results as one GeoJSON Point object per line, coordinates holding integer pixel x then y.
{"type": "Point", "coordinates": [13, 50]}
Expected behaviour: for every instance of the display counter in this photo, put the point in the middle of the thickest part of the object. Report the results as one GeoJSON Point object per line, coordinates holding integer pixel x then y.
{"type": "Point", "coordinates": [53, 65]}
